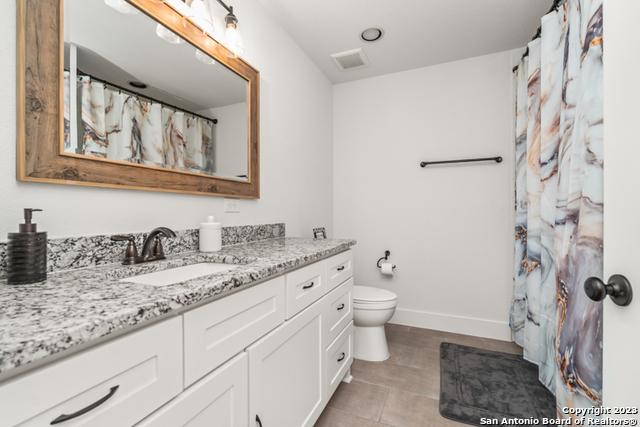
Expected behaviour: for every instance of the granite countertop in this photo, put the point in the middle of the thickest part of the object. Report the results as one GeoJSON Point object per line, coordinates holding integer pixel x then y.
{"type": "Point", "coordinates": [75, 307]}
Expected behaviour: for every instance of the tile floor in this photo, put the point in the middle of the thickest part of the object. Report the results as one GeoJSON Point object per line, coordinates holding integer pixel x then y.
{"type": "Point", "coordinates": [402, 391]}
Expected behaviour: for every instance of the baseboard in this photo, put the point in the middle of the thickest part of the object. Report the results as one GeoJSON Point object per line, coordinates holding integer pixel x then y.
{"type": "Point", "coordinates": [451, 323]}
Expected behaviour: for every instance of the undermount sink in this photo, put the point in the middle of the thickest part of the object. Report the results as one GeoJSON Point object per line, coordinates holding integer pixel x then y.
{"type": "Point", "coordinates": [179, 274]}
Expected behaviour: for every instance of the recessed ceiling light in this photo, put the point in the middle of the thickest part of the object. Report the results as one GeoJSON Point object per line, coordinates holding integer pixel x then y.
{"type": "Point", "coordinates": [371, 34]}
{"type": "Point", "coordinates": [138, 85]}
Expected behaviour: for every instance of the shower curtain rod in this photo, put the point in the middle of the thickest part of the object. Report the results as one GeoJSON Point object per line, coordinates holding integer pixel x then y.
{"type": "Point", "coordinates": [556, 5]}
{"type": "Point", "coordinates": [157, 101]}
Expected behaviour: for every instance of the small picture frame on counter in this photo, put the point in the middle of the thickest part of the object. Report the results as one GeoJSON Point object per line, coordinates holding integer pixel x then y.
{"type": "Point", "coordinates": [319, 233]}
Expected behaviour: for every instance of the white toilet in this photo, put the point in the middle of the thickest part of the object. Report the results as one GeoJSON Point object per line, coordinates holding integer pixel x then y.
{"type": "Point", "coordinates": [372, 308]}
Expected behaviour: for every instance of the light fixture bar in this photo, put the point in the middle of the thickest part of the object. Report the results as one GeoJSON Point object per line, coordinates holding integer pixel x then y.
{"type": "Point", "coordinates": [231, 18]}
{"type": "Point", "coordinates": [227, 8]}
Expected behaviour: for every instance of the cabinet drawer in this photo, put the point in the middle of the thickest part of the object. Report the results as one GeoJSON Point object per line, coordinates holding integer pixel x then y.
{"type": "Point", "coordinates": [339, 310]}
{"type": "Point", "coordinates": [305, 286]}
{"type": "Point", "coordinates": [339, 357]}
{"type": "Point", "coordinates": [115, 384]}
{"type": "Point", "coordinates": [221, 329]}
{"type": "Point", "coordinates": [222, 397]}
{"type": "Point", "coordinates": [339, 268]}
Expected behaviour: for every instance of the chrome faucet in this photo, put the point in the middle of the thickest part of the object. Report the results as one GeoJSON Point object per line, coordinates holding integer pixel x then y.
{"type": "Point", "coordinates": [152, 249]}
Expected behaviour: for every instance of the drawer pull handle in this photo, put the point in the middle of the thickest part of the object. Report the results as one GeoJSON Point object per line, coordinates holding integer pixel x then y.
{"type": "Point", "coordinates": [258, 421]}
{"type": "Point", "coordinates": [340, 307]}
{"type": "Point", "coordinates": [64, 417]}
{"type": "Point", "coordinates": [340, 268]}
{"type": "Point", "coordinates": [309, 286]}
{"type": "Point", "coordinates": [342, 356]}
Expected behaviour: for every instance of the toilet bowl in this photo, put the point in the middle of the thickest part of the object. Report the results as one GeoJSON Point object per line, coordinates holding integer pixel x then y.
{"type": "Point", "coordinates": [372, 308]}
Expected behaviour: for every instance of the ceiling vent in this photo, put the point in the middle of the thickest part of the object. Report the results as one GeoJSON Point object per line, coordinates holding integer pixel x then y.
{"type": "Point", "coordinates": [350, 59]}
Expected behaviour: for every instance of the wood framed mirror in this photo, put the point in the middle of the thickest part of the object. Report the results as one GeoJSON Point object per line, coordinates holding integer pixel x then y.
{"type": "Point", "coordinates": [138, 97]}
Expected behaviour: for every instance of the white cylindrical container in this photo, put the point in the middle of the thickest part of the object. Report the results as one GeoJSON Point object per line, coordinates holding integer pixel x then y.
{"type": "Point", "coordinates": [210, 235]}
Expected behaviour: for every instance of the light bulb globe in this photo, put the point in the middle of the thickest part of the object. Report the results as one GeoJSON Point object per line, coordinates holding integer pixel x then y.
{"type": "Point", "coordinates": [233, 40]}
{"type": "Point", "coordinates": [201, 16]}
{"type": "Point", "coordinates": [167, 35]}
{"type": "Point", "coordinates": [121, 6]}
{"type": "Point", "coordinates": [204, 58]}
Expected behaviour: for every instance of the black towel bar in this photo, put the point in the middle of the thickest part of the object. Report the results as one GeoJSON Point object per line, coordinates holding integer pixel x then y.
{"type": "Point", "coordinates": [496, 159]}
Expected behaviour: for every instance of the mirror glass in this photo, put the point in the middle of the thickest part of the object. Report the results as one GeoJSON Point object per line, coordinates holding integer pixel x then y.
{"type": "Point", "coordinates": [135, 92]}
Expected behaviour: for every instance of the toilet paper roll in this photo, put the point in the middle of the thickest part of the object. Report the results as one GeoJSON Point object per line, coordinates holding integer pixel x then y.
{"type": "Point", "coordinates": [386, 268]}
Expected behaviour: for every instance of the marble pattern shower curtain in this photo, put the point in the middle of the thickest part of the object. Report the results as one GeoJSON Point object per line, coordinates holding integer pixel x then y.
{"type": "Point", "coordinates": [121, 126]}
{"type": "Point", "coordinates": [559, 205]}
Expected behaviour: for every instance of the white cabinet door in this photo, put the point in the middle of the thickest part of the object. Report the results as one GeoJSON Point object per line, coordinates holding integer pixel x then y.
{"type": "Point", "coordinates": [220, 399]}
{"type": "Point", "coordinates": [285, 373]}
{"type": "Point", "coordinates": [221, 329]}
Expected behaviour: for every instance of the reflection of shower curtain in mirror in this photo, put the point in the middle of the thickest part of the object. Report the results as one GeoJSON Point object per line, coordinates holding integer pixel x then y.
{"type": "Point", "coordinates": [122, 126]}
{"type": "Point", "coordinates": [67, 114]}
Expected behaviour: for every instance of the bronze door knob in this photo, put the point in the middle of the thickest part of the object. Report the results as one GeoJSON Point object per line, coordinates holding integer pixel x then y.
{"type": "Point", "coordinates": [618, 288]}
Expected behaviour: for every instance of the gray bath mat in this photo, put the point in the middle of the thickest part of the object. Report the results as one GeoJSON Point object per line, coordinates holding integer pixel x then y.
{"type": "Point", "coordinates": [477, 384]}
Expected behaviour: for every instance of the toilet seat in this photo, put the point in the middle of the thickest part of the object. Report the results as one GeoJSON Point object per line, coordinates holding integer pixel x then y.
{"type": "Point", "coordinates": [369, 298]}
{"type": "Point", "coordinates": [382, 305]}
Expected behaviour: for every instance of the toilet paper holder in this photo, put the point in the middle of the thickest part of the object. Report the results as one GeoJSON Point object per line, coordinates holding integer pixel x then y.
{"type": "Point", "coordinates": [387, 253]}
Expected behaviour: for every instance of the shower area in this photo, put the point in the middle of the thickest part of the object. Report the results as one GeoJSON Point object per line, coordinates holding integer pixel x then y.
{"type": "Point", "coordinates": [559, 202]}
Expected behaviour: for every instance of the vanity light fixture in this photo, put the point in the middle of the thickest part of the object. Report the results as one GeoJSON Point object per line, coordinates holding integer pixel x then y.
{"type": "Point", "coordinates": [232, 37]}
{"type": "Point", "coordinates": [372, 34]}
{"type": "Point", "coordinates": [199, 14]}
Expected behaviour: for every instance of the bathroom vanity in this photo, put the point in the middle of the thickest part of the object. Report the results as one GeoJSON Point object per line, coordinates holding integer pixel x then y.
{"type": "Point", "coordinates": [264, 343]}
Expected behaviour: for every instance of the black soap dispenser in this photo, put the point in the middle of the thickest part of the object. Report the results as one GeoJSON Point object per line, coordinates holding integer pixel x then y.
{"type": "Point", "coordinates": [27, 253]}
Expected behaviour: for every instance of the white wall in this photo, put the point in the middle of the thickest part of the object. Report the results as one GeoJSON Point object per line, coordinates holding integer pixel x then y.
{"type": "Point", "coordinates": [230, 136]}
{"type": "Point", "coordinates": [449, 228]}
{"type": "Point", "coordinates": [296, 171]}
